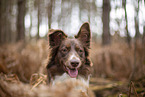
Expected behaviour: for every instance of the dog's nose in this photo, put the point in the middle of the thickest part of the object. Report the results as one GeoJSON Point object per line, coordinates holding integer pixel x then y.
{"type": "Point", "coordinates": [74, 63]}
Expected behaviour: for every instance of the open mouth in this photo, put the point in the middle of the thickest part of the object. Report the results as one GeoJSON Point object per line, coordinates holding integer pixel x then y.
{"type": "Point", "coordinates": [72, 72]}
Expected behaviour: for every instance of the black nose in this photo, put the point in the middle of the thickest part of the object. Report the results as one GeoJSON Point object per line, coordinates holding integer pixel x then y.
{"type": "Point", "coordinates": [74, 63]}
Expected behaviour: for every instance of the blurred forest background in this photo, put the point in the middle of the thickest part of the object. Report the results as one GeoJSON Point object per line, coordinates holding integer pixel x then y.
{"type": "Point", "coordinates": [118, 39]}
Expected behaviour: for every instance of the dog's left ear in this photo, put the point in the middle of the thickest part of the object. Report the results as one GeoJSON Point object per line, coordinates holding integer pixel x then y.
{"type": "Point", "coordinates": [84, 34]}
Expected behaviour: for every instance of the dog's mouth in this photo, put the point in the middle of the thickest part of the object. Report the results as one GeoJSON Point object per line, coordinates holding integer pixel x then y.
{"type": "Point", "coordinates": [73, 72]}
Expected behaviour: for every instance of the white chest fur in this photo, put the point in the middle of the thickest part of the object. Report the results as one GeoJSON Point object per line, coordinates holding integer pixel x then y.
{"type": "Point", "coordinates": [64, 77]}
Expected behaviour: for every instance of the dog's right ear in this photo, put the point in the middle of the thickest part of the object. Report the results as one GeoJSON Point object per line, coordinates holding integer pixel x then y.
{"type": "Point", "coordinates": [55, 37]}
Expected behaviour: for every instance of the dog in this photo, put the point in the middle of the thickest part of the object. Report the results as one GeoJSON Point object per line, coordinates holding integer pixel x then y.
{"type": "Point", "coordinates": [69, 56]}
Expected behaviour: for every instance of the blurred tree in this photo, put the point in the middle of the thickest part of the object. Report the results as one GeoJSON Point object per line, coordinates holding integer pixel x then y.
{"type": "Point", "coordinates": [143, 37]}
{"type": "Point", "coordinates": [66, 12]}
{"type": "Point", "coordinates": [50, 10]}
{"type": "Point", "coordinates": [38, 18]}
{"type": "Point", "coordinates": [20, 20]}
{"type": "Point", "coordinates": [126, 28]}
{"type": "Point", "coordinates": [29, 11]}
{"type": "Point", "coordinates": [106, 19]}
{"type": "Point", "coordinates": [88, 7]}
{"type": "Point", "coordinates": [8, 21]}
{"type": "Point", "coordinates": [137, 35]}
{"type": "Point", "coordinates": [80, 9]}
{"type": "Point", "coordinates": [5, 21]}
{"type": "Point", "coordinates": [84, 6]}
{"type": "Point", "coordinates": [1, 20]}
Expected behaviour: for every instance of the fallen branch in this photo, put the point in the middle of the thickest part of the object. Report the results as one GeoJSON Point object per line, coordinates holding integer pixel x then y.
{"type": "Point", "coordinates": [132, 84]}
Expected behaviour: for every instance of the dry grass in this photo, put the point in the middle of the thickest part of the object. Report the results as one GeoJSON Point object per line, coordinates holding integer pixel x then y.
{"type": "Point", "coordinates": [10, 86]}
{"type": "Point", "coordinates": [23, 60]}
{"type": "Point", "coordinates": [117, 61]}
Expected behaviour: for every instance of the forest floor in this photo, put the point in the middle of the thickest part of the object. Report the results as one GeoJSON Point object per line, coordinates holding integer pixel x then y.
{"type": "Point", "coordinates": [11, 86]}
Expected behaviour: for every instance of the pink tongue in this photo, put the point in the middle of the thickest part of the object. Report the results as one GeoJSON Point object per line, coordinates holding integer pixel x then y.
{"type": "Point", "coordinates": [73, 73]}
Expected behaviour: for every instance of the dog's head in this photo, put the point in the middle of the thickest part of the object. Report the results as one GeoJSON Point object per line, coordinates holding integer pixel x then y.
{"type": "Point", "coordinates": [71, 53]}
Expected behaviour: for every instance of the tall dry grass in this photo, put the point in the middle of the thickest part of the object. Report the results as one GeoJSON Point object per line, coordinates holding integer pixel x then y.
{"type": "Point", "coordinates": [118, 60]}
{"type": "Point", "coordinates": [23, 59]}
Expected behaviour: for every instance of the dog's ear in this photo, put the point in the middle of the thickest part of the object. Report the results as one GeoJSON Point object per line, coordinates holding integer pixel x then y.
{"type": "Point", "coordinates": [84, 34]}
{"type": "Point", "coordinates": [55, 37]}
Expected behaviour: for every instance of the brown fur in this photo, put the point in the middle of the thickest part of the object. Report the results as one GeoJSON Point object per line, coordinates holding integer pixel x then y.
{"type": "Point", "coordinates": [61, 47]}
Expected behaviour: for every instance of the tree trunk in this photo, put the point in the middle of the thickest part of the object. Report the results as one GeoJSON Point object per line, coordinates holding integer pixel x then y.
{"type": "Point", "coordinates": [80, 10]}
{"type": "Point", "coordinates": [137, 35]}
{"type": "Point", "coordinates": [89, 13]}
{"type": "Point", "coordinates": [20, 20]}
{"type": "Point", "coordinates": [106, 19]}
{"type": "Point", "coordinates": [38, 18]}
{"type": "Point", "coordinates": [143, 37]}
{"type": "Point", "coordinates": [8, 20]}
{"type": "Point", "coordinates": [135, 43]}
{"type": "Point", "coordinates": [1, 21]}
{"type": "Point", "coordinates": [50, 5]}
{"type": "Point", "coordinates": [30, 28]}
{"type": "Point", "coordinates": [127, 32]}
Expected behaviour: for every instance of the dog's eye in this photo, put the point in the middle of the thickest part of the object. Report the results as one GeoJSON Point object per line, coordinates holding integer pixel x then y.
{"type": "Point", "coordinates": [64, 50]}
{"type": "Point", "coordinates": [80, 50]}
